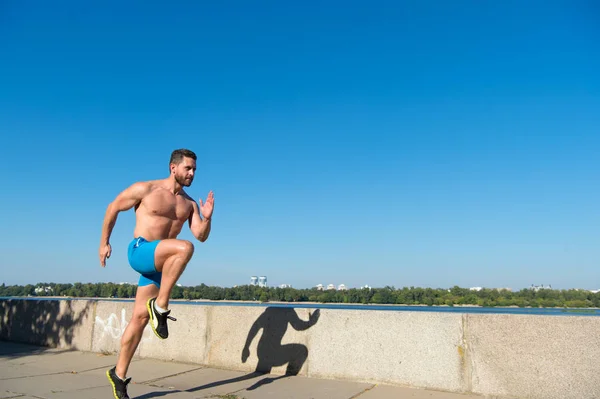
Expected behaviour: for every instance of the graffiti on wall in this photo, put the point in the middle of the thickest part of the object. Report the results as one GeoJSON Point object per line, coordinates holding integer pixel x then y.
{"type": "Point", "coordinates": [113, 327]}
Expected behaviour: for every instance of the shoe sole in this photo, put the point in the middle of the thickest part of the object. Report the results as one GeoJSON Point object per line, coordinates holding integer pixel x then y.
{"type": "Point", "coordinates": [151, 313]}
{"type": "Point", "coordinates": [112, 383]}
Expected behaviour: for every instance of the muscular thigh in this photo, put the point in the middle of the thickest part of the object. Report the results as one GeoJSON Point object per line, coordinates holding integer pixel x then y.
{"type": "Point", "coordinates": [170, 247]}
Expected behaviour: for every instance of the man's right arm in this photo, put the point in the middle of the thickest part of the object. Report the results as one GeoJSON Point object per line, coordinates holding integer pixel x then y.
{"type": "Point", "coordinates": [126, 200]}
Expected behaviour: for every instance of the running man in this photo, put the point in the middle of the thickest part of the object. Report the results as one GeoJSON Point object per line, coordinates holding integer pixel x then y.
{"type": "Point", "coordinates": [161, 207]}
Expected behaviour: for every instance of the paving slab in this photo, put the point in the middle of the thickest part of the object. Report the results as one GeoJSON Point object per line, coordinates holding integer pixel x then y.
{"type": "Point", "coordinates": [42, 385]}
{"type": "Point", "coordinates": [45, 364]}
{"type": "Point", "coordinates": [298, 387]}
{"type": "Point", "coordinates": [10, 395]}
{"type": "Point", "coordinates": [207, 382]}
{"type": "Point", "coordinates": [135, 391]}
{"type": "Point", "coordinates": [389, 391]}
{"type": "Point", "coordinates": [146, 370]}
{"type": "Point", "coordinates": [33, 372]}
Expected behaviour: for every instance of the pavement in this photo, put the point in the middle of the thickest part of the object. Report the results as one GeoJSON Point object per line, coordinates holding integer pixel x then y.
{"type": "Point", "coordinates": [37, 372]}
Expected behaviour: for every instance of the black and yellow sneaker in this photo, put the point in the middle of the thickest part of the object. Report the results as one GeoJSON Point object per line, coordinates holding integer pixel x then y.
{"type": "Point", "coordinates": [158, 321]}
{"type": "Point", "coordinates": [119, 386]}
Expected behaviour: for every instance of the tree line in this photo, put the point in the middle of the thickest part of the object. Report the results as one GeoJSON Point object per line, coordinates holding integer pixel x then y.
{"type": "Point", "coordinates": [571, 298]}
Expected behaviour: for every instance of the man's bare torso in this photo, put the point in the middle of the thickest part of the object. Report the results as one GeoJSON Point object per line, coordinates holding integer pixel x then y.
{"type": "Point", "coordinates": [161, 214]}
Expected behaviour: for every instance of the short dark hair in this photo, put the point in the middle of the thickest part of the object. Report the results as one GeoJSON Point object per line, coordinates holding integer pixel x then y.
{"type": "Point", "coordinates": [178, 155]}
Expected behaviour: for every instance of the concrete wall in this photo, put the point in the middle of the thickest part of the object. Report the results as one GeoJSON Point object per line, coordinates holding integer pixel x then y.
{"type": "Point", "coordinates": [512, 356]}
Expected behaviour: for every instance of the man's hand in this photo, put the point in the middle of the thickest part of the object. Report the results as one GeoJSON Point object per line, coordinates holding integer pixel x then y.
{"type": "Point", "coordinates": [312, 318]}
{"type": "Point", "coordinates": [207, 209]}
{"type": "Point", "coordinates": [105, 251]}
{"type": "Point", "coordinates": [245, 354]}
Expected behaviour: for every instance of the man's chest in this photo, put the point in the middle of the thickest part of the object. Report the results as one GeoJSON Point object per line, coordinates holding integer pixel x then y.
{"type": "Point", "coordinates": [167, 205]}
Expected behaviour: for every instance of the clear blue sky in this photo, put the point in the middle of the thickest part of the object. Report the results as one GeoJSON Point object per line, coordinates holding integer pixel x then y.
{"type": "Point", "coordinates": [385, 143]}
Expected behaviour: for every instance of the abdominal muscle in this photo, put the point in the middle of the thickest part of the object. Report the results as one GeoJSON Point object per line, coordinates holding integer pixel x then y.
{"type": "Point", "coordinates": [156, 227]}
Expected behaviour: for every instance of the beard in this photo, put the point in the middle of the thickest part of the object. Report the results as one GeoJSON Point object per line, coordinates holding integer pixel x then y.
{"type": "Point", "coordinates": [183, 181]}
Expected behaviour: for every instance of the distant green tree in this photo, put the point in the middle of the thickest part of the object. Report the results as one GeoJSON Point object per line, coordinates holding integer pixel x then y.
{"type": "Point", "coordinates": [385, 295]}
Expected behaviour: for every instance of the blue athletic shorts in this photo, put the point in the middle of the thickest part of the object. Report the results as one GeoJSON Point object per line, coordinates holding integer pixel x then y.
{"type": "Point", "coordinates": [140, 254]}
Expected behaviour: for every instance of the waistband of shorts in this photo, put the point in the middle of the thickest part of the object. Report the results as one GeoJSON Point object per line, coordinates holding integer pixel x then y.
{"type": "Point", "coordinates": [138, 240]}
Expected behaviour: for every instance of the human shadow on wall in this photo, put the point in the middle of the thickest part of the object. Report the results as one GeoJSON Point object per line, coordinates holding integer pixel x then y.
{"type": "Point", "coordinates": [43, 323]}
{"type": "Point", "coordinates": [270, 350]}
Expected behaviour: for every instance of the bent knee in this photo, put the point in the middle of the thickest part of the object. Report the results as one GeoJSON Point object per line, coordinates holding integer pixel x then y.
{"type": "Point", "coordinates": [303, 351]}
{"type": "Point", "coordinates": [185, 247]}
{"type": "Point", "coordinates": [140, 318]}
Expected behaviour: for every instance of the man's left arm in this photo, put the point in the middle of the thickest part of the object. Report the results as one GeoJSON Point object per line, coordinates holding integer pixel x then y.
{"type": "Point", "coordinates": [201, 217]}
{"type": "Point", "coordinates": [199, 226]}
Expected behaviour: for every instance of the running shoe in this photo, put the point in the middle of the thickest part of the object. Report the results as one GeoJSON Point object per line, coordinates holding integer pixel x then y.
{"type": "Point", "coordinates": [158, 321]}
{"type": "Point", "coordinates": [119, 386]}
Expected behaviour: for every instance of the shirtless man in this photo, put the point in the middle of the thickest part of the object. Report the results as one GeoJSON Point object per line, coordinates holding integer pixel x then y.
{"type": "Point", "coordinates": [162, 208]}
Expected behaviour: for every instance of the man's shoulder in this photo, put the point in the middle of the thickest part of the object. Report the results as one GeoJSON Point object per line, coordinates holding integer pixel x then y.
{"type": "Point", "coordinates": [153, 184]}
{"type": "Point", "coordinates": [144, 187]}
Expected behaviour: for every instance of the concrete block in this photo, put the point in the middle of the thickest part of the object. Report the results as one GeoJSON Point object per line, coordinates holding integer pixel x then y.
{"type": "Point", "coordinates": [408, 348]}
{"type": "Point", "coordinates": [187, 336]}
{"type": "Point", "coordinates": [110, 320]}
{"type": "Point", "coordinates": [6, 315]}
{"type": "Point", "coordinates": [534, 357]}
{"type": "Point", "coordinates": [58, 324]}
{"type": "Point", "coordinates": [275, 338]}
{"type": "Point", "coordinates": [75, 325]}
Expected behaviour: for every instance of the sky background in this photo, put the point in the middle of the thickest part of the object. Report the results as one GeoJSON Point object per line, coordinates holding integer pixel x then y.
{"type": "Point", "coordinates": [401, 143]}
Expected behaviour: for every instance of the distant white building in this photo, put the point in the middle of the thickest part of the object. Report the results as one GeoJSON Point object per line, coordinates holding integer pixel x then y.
{"type": "Point", "coordinates": [319, 287]}
{"type": "Point", "coordinates": [366, 287]}
{"type": "Point", "coordinates": [331, 287]}
{"type": "Point", "coordinates": [253, 280]}
{"type": "Point", "coordinates": [497, 289]}
{"type": "Point", "coordinates": [342, 287]}
{"type": "Point", "coordinates": [47, 290]}
{"type": "Point", "coordinates": [540, 287]}
{"type": "Point", "coordinates": [285, 286]}
{"type": "Point", "coordinates": [262, 281]}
